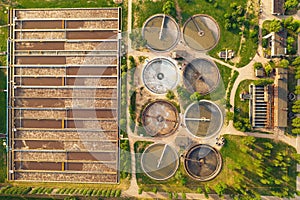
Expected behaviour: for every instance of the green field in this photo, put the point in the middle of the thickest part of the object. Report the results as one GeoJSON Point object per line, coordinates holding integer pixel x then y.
{"type": "Point", "coordinates": [2, 162]}
{"type": "Point", "coordinates": [241, 108]}
{"type": "Point", "coordinates": [248, 168]}
{"type": "Point", "coordinates": [142, 10]}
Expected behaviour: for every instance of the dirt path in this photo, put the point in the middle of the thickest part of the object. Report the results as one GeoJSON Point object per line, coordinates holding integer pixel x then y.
{"type": "Point", "coordinates": [178, 13]}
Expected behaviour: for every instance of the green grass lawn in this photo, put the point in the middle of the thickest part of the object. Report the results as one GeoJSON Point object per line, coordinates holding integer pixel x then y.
{"type": "Point", "coordinates": [248, 165]}
{"type": "Point", "coordinates": [2, 102]}
{"type": "Point", "coordinates": [2, 162]}
{"type": "Point", "coordinates": [248, 51]}
{"type": "Point", "coordinates": [142, 10]}
{"type": "Point", "coordinates": [241, 108]}
{"type": "Point", "coordinates": [245, 165]}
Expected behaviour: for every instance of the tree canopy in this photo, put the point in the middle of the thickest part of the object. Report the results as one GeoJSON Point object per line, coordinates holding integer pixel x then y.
{"type": "Point", "coordinates": [290, 4]}
{"type": "Point", "coordinates": [275, 26]}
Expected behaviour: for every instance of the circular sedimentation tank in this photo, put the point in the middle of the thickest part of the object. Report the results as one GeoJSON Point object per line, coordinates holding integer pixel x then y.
{"type": "Point", "coordinates": [202, 162]}
{"type": "Point", "coordinates": [159, 161]}
{"type": "Point", "coordinates": [160, 75]}
{"type": "Point", "coordinates": [201, 32]}
{"type": "Point", "coordinates": [160, 118]}
{"type": "Point", "coordinates": [201, 75]}
{"type": "Point", "coordinates": [203, 119]}
{"type": "Point", "coordinates": [161, 32]}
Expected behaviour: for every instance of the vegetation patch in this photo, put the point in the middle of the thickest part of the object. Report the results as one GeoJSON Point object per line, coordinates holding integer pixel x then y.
{"type": "Point", "coordinates": [241, 108]}
{"type": "Point", "coordinates": [232, 81]}
{"type": "Point", "coordinates": [125, 159]}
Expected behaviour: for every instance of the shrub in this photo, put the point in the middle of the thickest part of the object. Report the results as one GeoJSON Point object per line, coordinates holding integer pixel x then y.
{"type": "Point", "coordinates": [199, 190]}
{"type": "Point", "coordinates": [154, 190]}
{"type": "Point", "coordinates": [140, 191]}
{"type": "Point", "coordinates": [170, 95]}
{"type": "Point", "coordinates": [108, 193]}
{"type": "Point", "coordinates": [118, 193]}
{"type": "Point", "coordinates": [89, 192]}
{"type": "Point", "coordinates": [67, 191]}
{"type": "Point", "coordinates": [183, 195]}
{"type": "Point", "coordinates": [170, 195]}
{"type": "Point", "coordinates": [103, 193]}
{"type": "Point", "coordinates": [258, 65]}
{"type": "Point", "coordinates": [27, 190]}
{"type": "Point", "coordinates": [84, 192]}
{"type": "Point", "coordinates": [95, 192]}
{"type": "Point", "coordinates": [196, 96]}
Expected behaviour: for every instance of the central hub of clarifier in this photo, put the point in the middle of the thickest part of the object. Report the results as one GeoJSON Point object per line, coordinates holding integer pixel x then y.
{"type": "Point", "coordinates": [160, 118]}
{"type": "Point", "coordinates": [160, 76]}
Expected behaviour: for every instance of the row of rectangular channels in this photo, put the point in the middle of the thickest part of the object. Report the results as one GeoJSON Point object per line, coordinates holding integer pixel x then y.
{"type": "Point", "coordinates": [64, 91]}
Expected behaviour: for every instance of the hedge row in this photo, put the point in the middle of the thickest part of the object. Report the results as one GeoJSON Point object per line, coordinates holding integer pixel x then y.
{"type": "Point", "coordinates": [89, 192]}
{"type": "Point", "coordinates": [15, 190]}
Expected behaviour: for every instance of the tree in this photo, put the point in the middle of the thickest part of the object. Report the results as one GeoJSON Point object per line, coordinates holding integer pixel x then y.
{"type": "Point", "coordinates": [296, 131]}
{"type": "Point", "coordinates": [181, 178]}
{"type": "Point", "coordinates": [296, 61]}
{"type": "Point", "coordinates": [199, 190]}
{"type": "Point", "coordinates": [207, 189]}
{"type": "Point", "coordinates": [290, 48]}
{"type": "Point", "coordinates": [296, 122]}
{"type": "Point", "coordinates": [288, 21]}
{"type": "Point", "coordinates": [248, 141]}
{"type": "Point", "coordinates": [257, 65]}
{"type": "Point", "coordinates": [268, 145]}
{"type": "Point", "coordinates": [284, 63]}
{"type": "Point", "coordinates": [275, 26]}
{"type": "Point", "coordinates": [170, 95]}
{"type": "Point", "coordinates": [220, 188]}
{"type": "Point", "coordinates": [290, 40]}
{"type": "Point", "coordinates": [195, 96]}
{"type": "Point", "coordinates": [290, 4]}
{"type": "Point", "coordinates": [140, 191]}
{"type": "Point", "coordinates": [296, 108]}
{"type": "Point", "coordinates": [170, 195]}
{"type": "Point", "coordinates": [168, 8]}
{"type": "Point", "coordinates": [297, 89]}
{"type": "Point", "coordinates": [154, 190]}
{"type": "Point", "coordinates": [265, 43]}
{"type": "Point", "coordinates": [268, 69]}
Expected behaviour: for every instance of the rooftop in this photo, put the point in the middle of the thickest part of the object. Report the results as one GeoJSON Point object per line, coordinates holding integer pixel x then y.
{"type": "Point", "coordinates": [281, 98]}
{"type": "Point", "coordinates": [279, 43]}
{"type": "Point", "coordinates": [278, 7]}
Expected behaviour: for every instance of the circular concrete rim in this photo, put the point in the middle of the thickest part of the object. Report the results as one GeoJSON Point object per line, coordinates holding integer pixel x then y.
{"type": "Point", "coordinates": [176, 156]}
{"type": "Point", "coordinates": [177, 27]}
{"type": "Point", "coordinates": [152, 61]}
{"type": "Point", "coordinates": [213, 64]}
{"type": "Point", "coordinates": [215, 173]}
{"type": "Point", "coordinates": [177, 118]}
{"type": "Point", "coordinates": [211, 135]}
{"type": "Point", "coordinates": [217, 25]}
